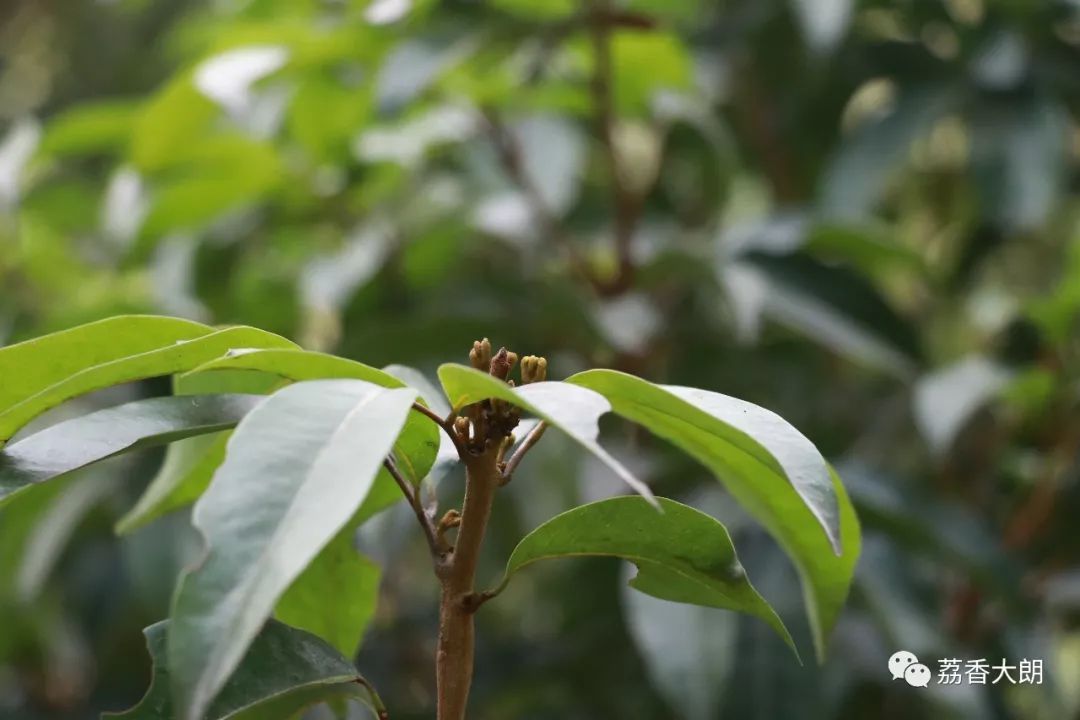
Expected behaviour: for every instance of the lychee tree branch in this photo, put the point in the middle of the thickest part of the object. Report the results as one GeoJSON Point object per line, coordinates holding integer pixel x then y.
{"type": "Point", "coordinates": [481, 433]}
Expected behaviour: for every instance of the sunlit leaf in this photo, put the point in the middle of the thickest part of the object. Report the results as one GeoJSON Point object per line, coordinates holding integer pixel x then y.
{"type": "Point", "coordinates": [73, 373]}
{"type": "Point", "coordinates": [30, 367]}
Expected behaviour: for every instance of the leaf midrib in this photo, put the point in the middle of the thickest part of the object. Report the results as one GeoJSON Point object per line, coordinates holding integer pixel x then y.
{"type": "Point", "coordinates": [244, 589]}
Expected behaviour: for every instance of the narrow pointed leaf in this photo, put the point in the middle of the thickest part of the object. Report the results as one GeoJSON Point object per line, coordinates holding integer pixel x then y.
{"type": "Point", "coordinates": [574, 410]}
{"type": "Point", "coordinates": [189, 464]}
{"type": "Point", "coordinates": [296, 470]}
{"type": "Point", "coordinates": [682, 554]}
{"type": "Point", "coordinates": [184, 475]}
{"type": "Point", "coordinates": [770, 468]}
{"type": "Point", "coordinates": [29, 367]}
{"type": "Point", "coordinates": [176, 357]}
{"type": "Point", "coordinates": [85, 440]}
{"type": "Point", "coordinates": [418, 445]}
{"type": "Point", "coordinates": [285, 671]}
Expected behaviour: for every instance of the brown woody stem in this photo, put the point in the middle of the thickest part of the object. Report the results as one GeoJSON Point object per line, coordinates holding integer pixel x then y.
{"type": "Point", "coordinates": [454, 659]}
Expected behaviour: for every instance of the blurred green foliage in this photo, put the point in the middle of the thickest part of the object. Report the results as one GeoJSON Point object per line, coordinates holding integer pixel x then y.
{"type": "Point", "coordinates": [863, 215]}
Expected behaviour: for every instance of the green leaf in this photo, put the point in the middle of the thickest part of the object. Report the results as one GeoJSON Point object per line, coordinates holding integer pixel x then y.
{"type": "Point", "coordinates": [832, 304]}
{"type": "Point", "coordinates": [295, 364]}
{"type": "Point", "coordinates": [688, 650]}
{"type": "Point", "coordinates": [218, 174]}
{"type": "Point", "coordinates": [341, 573]}
{"type": "Point", "coordinates": [85, 440]}
{"type": "Point", "coordinates": [682, 554]}
{"type": "Point", "coordinates": [309, 454]}
{"type": "Point", "coordinates": [190, 463]}
{"type": "Point", "coordinates": [99, 370]}
{"type": "Point", "coordinates": [770, 468]}
{"type": "Point", "coordinates": [173, 119]}
{"type": "Point", "coordinates": [102, 126]}
{"type": "Point", "coordinates": [418, 444]}
{"type": "Point", "coordinates": [537, 9]}
{"type": "Point", "coordinates": [861, 170]}
{"type": "Point", "coordinates": [561, 405]}
{"type": "Point", "coordinates": [285, 671]}
{"type": "Point", "coordinates": [29, 367]}
{"type": "Point", "coordinates": [184, 476]}
{"type": "Point", "coordinates": [646, 63]}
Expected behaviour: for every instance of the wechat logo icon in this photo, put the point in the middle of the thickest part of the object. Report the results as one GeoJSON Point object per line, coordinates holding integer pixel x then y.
{"type": "Point", "coordinates": [904, 665]}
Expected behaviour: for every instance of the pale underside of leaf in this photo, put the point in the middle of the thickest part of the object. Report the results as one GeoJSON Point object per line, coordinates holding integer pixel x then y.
{"type": "Point", "coordinates": [726, 436]}
{"type": "Point", "coordinates": [82, 441]}
{"type": "Point", "coordinates": [309, 454]}
{"type": "Point", "coordinates": [574, 410]}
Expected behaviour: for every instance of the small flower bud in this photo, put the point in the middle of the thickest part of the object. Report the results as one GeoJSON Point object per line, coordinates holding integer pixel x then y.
{"type": "Point", "coordinates": [500, 364]}
{"type": "Point", "coordinates": [480, 355]}
{"type": "Point", "coordinates": [533, 369]}
{"type": "Point", "coordinates": [461, 427]}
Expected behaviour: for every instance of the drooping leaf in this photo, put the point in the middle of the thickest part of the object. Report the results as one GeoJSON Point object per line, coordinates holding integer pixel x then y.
{"type": "Point", "coordinates": [284, 671]}
{"type": "Point", "coordinates": [688, 650]}
{"type": "Point", "coordinates": [682, 554]}
{"type": "Point", "coordinates": [29, 367]}
{"type": "Point", "coordinates": [91, 438]}
{"type": "Point", "coordinates": [831, 304]}
{"type": "Point", "coordinates": [159, 359]}
{"type": "Point", "coordinates": [770, 468]}
{"type": "Point", "coordinates": [98, 127]}
{"type": "Point", "coordinates": [350, 579]}
{"type": "Point", "coordinates": [310, 454]}
{"type": "Point", "coordinates": [562, 405]}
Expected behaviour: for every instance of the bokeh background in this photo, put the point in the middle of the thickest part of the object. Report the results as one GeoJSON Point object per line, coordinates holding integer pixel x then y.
{"type": "Point", "coordinates": [864, 215]}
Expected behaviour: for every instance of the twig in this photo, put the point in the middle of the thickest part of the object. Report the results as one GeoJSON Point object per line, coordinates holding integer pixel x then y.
{"type": "Point", "coordinates": [627, 204]}
{"type": "Point", "coordinates": [447, 424]}
{"type": "Point", "coordinates": [376, 701]}
{"type": "Point", "coordinates": [438, 546]}
{"type": "Point", "coordinates": [510, 157]}
{"type": "Point", "coordinates": [456, 645]}
{"type": "Point", "coordinates": [531, 439]}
